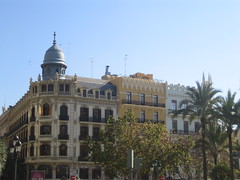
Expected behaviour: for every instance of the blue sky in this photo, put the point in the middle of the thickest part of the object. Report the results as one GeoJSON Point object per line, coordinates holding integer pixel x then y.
{"type": "Point", "coordinates": [175, 40]}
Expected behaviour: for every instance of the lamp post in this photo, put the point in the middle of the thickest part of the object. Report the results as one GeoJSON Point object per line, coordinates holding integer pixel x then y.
{"type": "Point", "coordinates": [15, 149]}
{"type": "Point", "coordinates": [155, 169]}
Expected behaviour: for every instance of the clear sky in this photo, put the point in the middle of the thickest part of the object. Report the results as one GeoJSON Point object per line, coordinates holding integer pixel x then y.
{"type": "Point", "coordinates": [175, 40]}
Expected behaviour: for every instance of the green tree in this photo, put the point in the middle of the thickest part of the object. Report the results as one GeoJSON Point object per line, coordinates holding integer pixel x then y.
{"type": "Point", "coordinates": [3, 155]}
{"type": "Point", "coordinates": [148, 140]}
{"type": "Point", "coordinates": [215, 140]}
{"type": "Point", "coordinates": [200, 105]}
{"type": "Point", "coordinates": [220, 172]}
{"type": "Point", "coordinates": [228, 112]}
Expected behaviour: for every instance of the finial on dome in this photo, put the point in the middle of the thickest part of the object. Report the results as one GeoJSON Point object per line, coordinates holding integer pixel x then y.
{"type": "Point", "coordinates": [54, 40]}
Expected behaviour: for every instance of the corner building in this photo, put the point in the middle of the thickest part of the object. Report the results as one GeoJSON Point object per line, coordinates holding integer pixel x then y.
{"type": "Point", "coordinates": [55, 117]}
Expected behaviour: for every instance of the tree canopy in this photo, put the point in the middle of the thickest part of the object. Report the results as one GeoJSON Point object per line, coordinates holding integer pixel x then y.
{"type": "Point", "coordinates": [149, 141]}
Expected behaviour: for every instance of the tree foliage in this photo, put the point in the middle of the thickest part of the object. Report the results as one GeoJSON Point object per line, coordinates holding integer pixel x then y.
{"type": "Point", "coordinates": [3, 155]}
{"type": "Point", "coordinates": [149, 141]}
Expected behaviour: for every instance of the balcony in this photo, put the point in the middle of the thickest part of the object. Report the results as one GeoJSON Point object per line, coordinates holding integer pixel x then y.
{"type": "Point", "coordinates": [84, 118]}
{"type": "Point", "coordinates": [81, 137]}
{"type": "Point", "coordinates": [92, 119]}
{"type": "Point", "coordinates": [64, 117]}
{"type": "Point", "coordinates": [141, 103]}
{"type": "Point", "coordinates": [63, 136]}
{"type": "Point", "coordinates": [82, 158]}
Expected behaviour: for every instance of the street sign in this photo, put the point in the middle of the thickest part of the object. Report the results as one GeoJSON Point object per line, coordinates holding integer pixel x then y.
{"type": "Point", "coordinates": [37, 175]}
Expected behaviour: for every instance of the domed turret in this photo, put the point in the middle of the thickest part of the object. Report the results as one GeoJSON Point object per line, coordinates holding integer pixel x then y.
{"type": "Point", "coordinates": [54, 62]}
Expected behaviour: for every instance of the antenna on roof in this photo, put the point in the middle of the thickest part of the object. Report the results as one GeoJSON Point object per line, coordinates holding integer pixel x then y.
{"type": "Point", "coordinates": [91, 66]}
{"type": "Point", "coordinates": [125, 64]}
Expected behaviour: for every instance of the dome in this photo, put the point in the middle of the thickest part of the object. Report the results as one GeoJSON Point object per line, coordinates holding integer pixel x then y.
{"type": "Point", "coordinates": [54, 63]}
{"type": "Point", "coordinates": [54, 55]}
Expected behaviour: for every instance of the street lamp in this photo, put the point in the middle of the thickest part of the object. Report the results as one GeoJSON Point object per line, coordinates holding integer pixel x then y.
{"type": "Point", "coordinates": [15, 149]}
{"type": "Point", "coordinates": [155, 169]}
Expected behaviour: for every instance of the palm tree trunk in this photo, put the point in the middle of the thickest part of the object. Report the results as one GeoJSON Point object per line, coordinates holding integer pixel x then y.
{"type": "Point", "coordinates": [229, 130]}
{"type": "Point", "coordinates": [204, 154]}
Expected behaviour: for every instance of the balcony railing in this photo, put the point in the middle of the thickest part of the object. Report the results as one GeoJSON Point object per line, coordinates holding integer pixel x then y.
{"type": "Point", "coordinates": [64, 117]}
{"type": "Point", "coordinates": [81, 137]}
{"type": "Point", "coordinates": [63, 136]}
{"type": "Point", "coordinates": [82, 158]}
{"type": "Point", "coordinates": [91, 119]}
{"type": "Point", "coordinates": [145, 103]}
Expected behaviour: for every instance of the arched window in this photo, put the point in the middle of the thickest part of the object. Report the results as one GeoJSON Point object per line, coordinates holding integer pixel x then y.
{"type": "Point", "coordinates": [63, 150]}
{"type": "Point", "coordinates": [45, 150]}
{"type": "Point", "coordinates": [62, 171]}
{"type": "Point", "coordinates": [47, 169]}
{"type": "Point", "coordinates": [32, 150]}
{"type": "Point", "coordinates": [63, 113]}
{"type": "Point", "coordinates": [46, 109]}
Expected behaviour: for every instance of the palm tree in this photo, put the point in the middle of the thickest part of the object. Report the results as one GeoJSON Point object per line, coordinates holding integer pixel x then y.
{"type": "Point", "coordinates": [228, 112]}
{"type": "Point", "coordinates": [215, 141]}
{"type": "Point", "coordinates": [200, 105]}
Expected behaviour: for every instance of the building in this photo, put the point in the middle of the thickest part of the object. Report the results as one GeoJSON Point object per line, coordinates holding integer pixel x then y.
{"type": "Point", "coordinates": [55, 117]}
{"type": "Point", "coordinates": [59, 112]}
{"type": "Point", "coordinates": [141, 94]}
{"type": "Point", "coordinates": [175, 95]}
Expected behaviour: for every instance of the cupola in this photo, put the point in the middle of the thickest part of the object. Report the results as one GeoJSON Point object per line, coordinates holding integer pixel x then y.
{"type": "Point", "coordinates": [54, 62]}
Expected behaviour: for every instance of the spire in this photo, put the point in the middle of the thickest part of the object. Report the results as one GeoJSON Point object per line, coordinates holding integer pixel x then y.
{"type": "Point", "coordinates": [54, 38]}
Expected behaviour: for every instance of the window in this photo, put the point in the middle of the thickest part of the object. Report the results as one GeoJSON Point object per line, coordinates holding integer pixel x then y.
{"type": "Point", "coordinates": [83, 153]}
{"type": "Point", "coordinates": [61, 87]}
{"type": "Point", "coordinates": [47, 169]}
{"type": "Point", "coordinates": [32, 131]}
{"type": "Point", "coordinates": [129, 97]}
{"type": "Point", "coordinates": [45, 130]}
{"type": "Point", "coordinates": [184, 105]}
{"type": "Point", "coordinates": [63, 113]}
{"type": "Point", "coordinates": [155, 117]}
{"type": "Point", "coordinates": [45, 150]}
{"type": "Point", "coordinates": [97, 94]}
{"type": "Point", "coordinates": [84, 114]}
{"type": "Point", "coordinates": [96, 131]}
{"type": "Point", "coordinates": [33, 112]}
{"type": "Point", "coordinates": [46, 109]}
{"type": "Point", "coordinates": [44, 88]}
{"type": "Point", "coordinates": [83, 132]}
{"type": "Point", "coordinates": [84, 93]}
{"type": "Point", "coordinates": [83, 173]}
{"type": "Point", "coordinates": [197, 126]}
{"type": "Point", "coordinates": [142, 99]}
{"type": "Point", "coordinates": [96, 173]}
{"type": "Point", "coordinates": [186, 127]}
{"type": "Point", "coordinates": [108, 95]}
{"type": "Point", "coordinates": [174, 126]}
{"type": "Point", "coordinates": [96, 115]}
{"type": "Point", "coordinates": [155, 100]}
{"type": "Point", "coordinates": [50, 87]}
{"type": "Point", "coordinates": [174, 105]}
{"type": "Point", "coordinates": [142, 116]}
{"type": "Point", "coordinates": [32, 150]}
{"type": "Point", "coordinates": [63, 150]}
{"type": "Point", "coordinates": [67, 88]}
{"type": "Point", "coordinates": [108, 113]}
{"type": "Point", "coordinates": [62, 171]}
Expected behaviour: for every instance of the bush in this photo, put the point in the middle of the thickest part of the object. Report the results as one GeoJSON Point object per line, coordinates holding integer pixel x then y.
{"type": "Point", "coordinates": [220, 172]}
